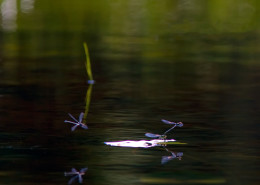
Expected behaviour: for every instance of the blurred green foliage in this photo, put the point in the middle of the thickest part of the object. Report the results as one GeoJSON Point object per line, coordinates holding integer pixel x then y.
{"type": "Point", "coordinates": [120, 28]}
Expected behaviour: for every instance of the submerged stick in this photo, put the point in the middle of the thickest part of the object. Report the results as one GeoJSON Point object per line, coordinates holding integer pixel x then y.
{"type": "Point", "coordinates": [88, 64]}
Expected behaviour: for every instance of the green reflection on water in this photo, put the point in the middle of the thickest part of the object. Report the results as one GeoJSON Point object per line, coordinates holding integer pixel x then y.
{"type": "Point", "coordinates": [172, 181]}
{"type": "Point", "coordinates": [121, 29]}
{"type": "Point", "coordinates": [88, 98]}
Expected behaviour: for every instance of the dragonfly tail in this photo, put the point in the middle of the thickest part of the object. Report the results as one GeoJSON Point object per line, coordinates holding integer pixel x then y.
{"type": "Point", "coordinates": [169, 130]}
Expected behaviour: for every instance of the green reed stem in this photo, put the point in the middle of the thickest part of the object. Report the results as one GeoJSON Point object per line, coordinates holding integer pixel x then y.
{"type": "Point", "coordinates": [87, 64]}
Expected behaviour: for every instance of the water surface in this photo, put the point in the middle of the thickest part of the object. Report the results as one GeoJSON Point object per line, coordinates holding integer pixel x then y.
{"type": "Point", "coordinates": [173, 60]}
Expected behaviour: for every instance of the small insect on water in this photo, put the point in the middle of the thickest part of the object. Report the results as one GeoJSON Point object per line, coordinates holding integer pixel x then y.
{"type": "Point", "coordinates": [179, 124]}
{"type": "Point", "coordinates": [77, 122]}
{"type": "Point", "coordinates": [76, 174]}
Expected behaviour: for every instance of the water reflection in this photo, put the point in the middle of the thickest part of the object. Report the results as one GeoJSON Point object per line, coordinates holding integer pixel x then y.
{"type": "Point", "coordinates": [210, 81]}
{"type": "Point", "coordinates": [88, 98]}
{"type": "Point", "coordinates": [149, 144]}
{"type": "Point", "coordinates": [76, 175]}
{"type": "Point", "coordinates": [9, 12]}
{"type": "Point", "coordinates": [140, 143]}
{"type": "Point", "coordinates": [166, 159]}
{"type": "Point", "coordinates": [27, 6]}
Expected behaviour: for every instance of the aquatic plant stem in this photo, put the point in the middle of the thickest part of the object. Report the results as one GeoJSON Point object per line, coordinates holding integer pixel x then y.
{"type": "Point", "coordinates": [88, 64]}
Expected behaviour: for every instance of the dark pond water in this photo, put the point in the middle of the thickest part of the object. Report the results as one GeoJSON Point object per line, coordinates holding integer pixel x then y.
{"type": "Point", "coordinates": [191, 61]}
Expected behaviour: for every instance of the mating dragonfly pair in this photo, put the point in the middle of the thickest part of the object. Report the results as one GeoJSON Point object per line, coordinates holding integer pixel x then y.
{"type": "Point", "coordinates": [77, 122]}
{"type": "Point", "coordinates": [173, 155]}
{"type": "Point", "coordinates": [164, 136]}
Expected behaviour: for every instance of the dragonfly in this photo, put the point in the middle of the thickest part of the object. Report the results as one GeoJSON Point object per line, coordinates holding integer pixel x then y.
{"type": "Point", "coordinates": [166, 159]}
{"type": "Point", "coordinates": [76, 174]}
{"type": "Point", "coordinates": [151, 135]}
{"type": "Point", "coordinates": [164, 136]}
{"type": "Point", "coordinates": [179, 124]}
{"type": "Point", "coordinates": [77, 122]}
{"type": "Point", "coordinates": [174, 155]}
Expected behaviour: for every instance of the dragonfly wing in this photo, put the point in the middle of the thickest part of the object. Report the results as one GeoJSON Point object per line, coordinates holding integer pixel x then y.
{"type": "Point", "coordinates": [179, 154]}
{"type": "Point", "coordinates": [167, 122]}
{"type": "Point", "coordinates": [173, 155]}
{"type": "Point", "coordinates": [74, 127]}
{"type": "Point", "coordinates": [84, 126]}
{"type": "Point", "coordinates": [81, 117]}
{"type": "Point", "coordinates": [72, 179]}
{"type": "Point", "coordinates": [152, 135]}
{"type": "Point", "coordinates": [72, 117]}
{"type": "Point", "coordinates": [83, 170]}
{"type": "Point", "coordinates": [66, 121]}
{"type": "Point", "coordinates": [69, 173]}
{"type": "Point", "coordinates": [74, 170]}
{"type": "Point", "coordinates": [80, 178]}
{"type": "Point", "coordinates": [165, 159]}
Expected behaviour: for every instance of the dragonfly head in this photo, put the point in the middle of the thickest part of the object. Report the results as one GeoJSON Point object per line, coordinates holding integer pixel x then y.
{"type": "Point", "coordinates": [179, 124]}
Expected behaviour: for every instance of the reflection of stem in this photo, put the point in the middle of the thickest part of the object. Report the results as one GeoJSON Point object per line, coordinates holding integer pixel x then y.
{"type": "Point", "coordinates": [88, 65]}
{"type": "Point", "coordinates": [88, 97]}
